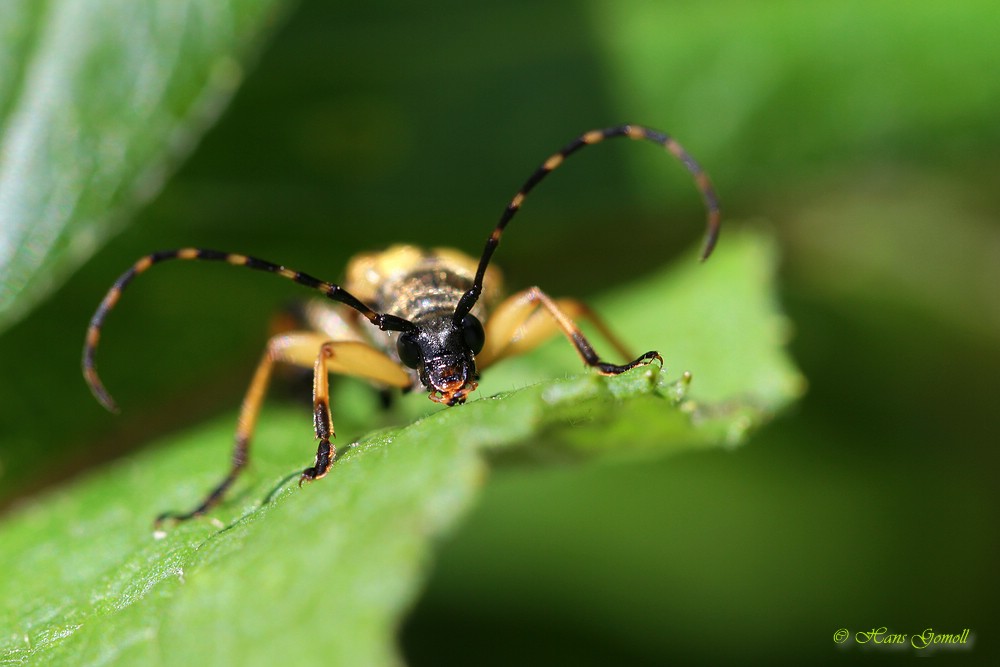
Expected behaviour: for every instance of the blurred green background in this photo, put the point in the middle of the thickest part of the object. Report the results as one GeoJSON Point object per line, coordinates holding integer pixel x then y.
{"type": "Point", "coordinates": [865, 133]}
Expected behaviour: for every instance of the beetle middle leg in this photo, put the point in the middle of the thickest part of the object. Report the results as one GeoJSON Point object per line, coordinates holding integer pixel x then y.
{"type": "Point", "coordinates": [304, 349]}
{"type": "Point", "coordinates": [529, 318]}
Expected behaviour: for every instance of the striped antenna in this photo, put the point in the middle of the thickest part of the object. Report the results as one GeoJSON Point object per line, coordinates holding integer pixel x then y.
{"type": "Point", "coordinates": [663, 139]}
{"type": "Point", "coordinates": [331, 291]}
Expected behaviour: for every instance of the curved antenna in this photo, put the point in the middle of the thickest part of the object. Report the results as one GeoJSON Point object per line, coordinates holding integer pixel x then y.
{"type": "Point", "coordinates": [701, 180]}
{"type": "Point", "coordinates": [384, 322]}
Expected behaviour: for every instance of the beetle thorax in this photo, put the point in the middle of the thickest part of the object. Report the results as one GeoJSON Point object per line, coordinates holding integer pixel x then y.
{"type": "Point", "coordinates": [416, 283]}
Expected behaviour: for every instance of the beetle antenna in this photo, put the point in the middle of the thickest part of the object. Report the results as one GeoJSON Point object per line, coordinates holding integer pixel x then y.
{"type": "Point", "coordinates": [384, 322]}
{"type": "Point", "coordinates": [701, 180]}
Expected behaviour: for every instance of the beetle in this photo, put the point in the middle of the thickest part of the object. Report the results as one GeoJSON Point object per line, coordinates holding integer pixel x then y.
{"type": "Point", "coordinates": [441, 311]}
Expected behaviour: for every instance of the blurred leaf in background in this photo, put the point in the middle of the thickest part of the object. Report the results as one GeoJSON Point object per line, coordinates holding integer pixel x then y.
{"type": "Point", "coordinates": [98, 102]}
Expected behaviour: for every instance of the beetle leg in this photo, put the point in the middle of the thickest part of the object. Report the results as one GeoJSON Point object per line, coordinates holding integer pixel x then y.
{"type": "Point", "coordinates": [299, 349]}
{"type": "Point", "coordinates": [276, 347]}
{"type": "Point", "coordinates": [527, 319]}
{"type": "Point", "coordinates": [326, 453]}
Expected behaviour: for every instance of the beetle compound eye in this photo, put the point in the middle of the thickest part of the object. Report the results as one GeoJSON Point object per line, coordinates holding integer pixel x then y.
{"type": "Point", "coordinates": [472, 332]}
{"type": "Point", "coordinates": [408, 349]}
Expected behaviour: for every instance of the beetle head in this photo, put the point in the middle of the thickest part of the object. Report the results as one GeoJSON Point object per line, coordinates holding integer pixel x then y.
{"type": "Point", "coordinates": [443, 352]}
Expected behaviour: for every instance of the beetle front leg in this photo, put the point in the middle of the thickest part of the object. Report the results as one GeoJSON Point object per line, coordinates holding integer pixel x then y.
{"type": "Point", "coordinates": [326, 453]}
{"type": "Point", "coordinates": [529, 318]}
{"type": "Point", "coordinates": [346, 358]}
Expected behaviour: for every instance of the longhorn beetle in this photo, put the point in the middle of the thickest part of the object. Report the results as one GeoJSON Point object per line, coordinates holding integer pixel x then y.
{"type": "Point", "coordinates": [441, 311]}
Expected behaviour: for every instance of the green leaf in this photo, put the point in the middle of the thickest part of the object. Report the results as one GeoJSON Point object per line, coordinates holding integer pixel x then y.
{"type": "Point", "coordinates": [323, 574]}
{"type": "Point", "coordinates": [98, 101]}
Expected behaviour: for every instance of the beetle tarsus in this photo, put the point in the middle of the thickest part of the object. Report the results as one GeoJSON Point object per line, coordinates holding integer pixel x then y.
{"type": "Point", "coordinates": [325, 456]}
{"type": "Point", "coordinates": [615, 369]}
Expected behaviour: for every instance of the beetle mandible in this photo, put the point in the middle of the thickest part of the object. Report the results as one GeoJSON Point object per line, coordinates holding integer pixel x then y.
{"type": "Point", "coordinates": [442, 310]}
